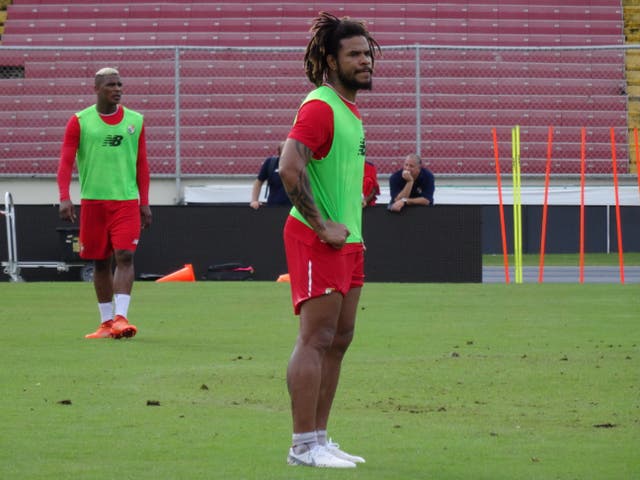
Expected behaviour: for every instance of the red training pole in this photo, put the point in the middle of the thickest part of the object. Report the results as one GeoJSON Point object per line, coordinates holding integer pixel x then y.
{"type": "Point", "coordinates": [582, 172]}
{"type": "Point", "coordinates": [615, 189]}
{"type": "Point", "coordinates": [503, 230]}
{"type": "Point", "coordinates": [543, 235]}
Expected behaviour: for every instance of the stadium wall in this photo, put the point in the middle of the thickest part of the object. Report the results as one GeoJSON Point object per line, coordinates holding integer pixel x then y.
{"type": "Point", "coordinates": [422, 245]}
{"type": "Point", "coordinates": [563, 227]}
{"type": "Point", "coordinates": [440, 244]}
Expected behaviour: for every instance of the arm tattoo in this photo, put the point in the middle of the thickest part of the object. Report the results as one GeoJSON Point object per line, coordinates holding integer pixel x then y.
{"type": "Point", "coordinates": [301, 196]}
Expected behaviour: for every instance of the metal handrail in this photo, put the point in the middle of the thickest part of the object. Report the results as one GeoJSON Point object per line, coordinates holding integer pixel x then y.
{"type": "Point", "coordinates": [11, 267]}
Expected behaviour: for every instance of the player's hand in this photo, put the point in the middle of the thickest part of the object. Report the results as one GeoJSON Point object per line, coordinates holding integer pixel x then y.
{"type": "Point", "coordinates": [255, 204]}
{"type": "Point", "coordinates": [67, 211]}
{"type": "Point", "coordinates": [145, 216]}
{"type": "Point", "coordinates": [334, 234]}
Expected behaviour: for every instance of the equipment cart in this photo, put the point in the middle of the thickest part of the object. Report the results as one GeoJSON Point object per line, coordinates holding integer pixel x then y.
{"type": "Point", "coordinates": [69, 236]}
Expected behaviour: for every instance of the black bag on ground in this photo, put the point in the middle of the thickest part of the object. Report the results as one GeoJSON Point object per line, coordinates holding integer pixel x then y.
{"type": "Point", "coordinates": [230, 271]}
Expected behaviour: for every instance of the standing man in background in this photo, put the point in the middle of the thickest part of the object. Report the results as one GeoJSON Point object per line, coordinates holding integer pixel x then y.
{"type": "Point", "coordinates": [269, 172]}
{"type": "Point", "coordinates": [107, 140]}
{"type": "Point", "coordinates": [322, 168]}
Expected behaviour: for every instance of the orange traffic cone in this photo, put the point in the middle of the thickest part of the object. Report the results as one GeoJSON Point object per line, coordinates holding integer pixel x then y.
{"type": "Point", "coordinates": [183, 275]}
{"type": "Point", "coordinates": [284, 278]}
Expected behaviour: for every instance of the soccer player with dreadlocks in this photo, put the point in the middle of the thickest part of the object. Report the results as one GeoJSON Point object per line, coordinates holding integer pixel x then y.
{"type": "Point", "coordinates": [322, 167]}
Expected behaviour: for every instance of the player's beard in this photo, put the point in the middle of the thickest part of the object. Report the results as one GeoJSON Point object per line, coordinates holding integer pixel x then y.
{"type": "Point", "coordinates": [352, 83]}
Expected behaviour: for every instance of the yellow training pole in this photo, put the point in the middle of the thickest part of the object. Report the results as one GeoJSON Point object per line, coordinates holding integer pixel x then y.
{"type": "Point", "coordinates": [517, 203]}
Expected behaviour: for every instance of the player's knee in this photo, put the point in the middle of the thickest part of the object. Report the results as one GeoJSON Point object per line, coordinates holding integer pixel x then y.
{"type": "Point", "coordinates": [320, 338]}
{"type": "Point", "coordinates": [341, 341]}
{"type": "Point", "coordinates": [124, 257]}
{"type": "Point", "coordinates": [101, 266]}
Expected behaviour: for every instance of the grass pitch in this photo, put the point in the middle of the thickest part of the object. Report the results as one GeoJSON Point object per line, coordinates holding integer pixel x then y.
{"type": "Point", "coordinates": [443, 381]}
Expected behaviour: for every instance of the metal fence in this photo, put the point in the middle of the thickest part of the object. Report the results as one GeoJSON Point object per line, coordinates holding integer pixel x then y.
{"type": "Point", "coordinates": [221, 111]}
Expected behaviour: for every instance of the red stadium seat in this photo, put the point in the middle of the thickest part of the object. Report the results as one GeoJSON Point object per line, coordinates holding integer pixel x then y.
{"type": "Point", "coordinates": [236, 105]}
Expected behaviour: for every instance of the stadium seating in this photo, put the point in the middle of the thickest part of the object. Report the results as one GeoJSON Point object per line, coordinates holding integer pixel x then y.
{"type": "Point", "coordinates": [235, 106]}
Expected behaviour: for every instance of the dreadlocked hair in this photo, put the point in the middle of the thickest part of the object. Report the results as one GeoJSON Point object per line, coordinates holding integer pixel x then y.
{"type": "Point", "coordinates": [328, 30]}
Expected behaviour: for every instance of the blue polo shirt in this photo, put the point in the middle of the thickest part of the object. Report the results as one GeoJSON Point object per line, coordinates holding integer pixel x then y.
{"type": "Point", "coordinates": [276, 194]}
{"type": "Point", "coordinates": [423, 186]}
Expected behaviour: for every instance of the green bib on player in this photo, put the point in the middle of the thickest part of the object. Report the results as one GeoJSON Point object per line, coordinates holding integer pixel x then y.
{"type": "Point", "coordinates": [107, 156]}
{"type": "Point", "coordinates": [336, 180]}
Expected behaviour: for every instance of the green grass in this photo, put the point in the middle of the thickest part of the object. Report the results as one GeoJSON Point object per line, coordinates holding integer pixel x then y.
{"type": "Point", "coordinates": [567, 260]}
{"type": "Point", "coordinates": [443, 381]}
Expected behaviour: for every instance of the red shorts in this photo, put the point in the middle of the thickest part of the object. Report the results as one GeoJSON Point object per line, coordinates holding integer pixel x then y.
{"type": "Point", "coordinates": [108, 225]}
{"type": "Point", "coordinates": [316, 268]}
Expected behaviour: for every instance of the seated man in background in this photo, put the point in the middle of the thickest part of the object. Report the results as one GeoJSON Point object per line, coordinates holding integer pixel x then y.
{"type": "Point", "coordinates": [412, 185]}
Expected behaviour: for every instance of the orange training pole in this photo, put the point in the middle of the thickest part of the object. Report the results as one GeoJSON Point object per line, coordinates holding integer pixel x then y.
{"type": "Point", "coordinates": [582, 171]}
{"type": "Point", "coordinates": [615, 189]}
{"type": "Point", "coordinates": [543, 235]}
{"type": "Point", "coordinates": [503, 230]}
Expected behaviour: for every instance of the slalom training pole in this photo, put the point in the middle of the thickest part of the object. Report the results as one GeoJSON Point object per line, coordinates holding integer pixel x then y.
{"type": "Point", "coordinates": [519, 206]}
{"type": "Point", "coordinates": [545, 204]}
{"type": "Point", "coordinates": [615, 190]}
{"type": "Point", "coordinates": [582, 174]}
{"type": "Point", "coordinates": [517, 203]}
{"type": "Point", "coordinates": [503, 231]}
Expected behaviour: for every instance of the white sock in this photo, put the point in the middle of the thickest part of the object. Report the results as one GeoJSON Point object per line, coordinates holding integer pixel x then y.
{"type": "Point", "coordinates": [321, 436]}
{"type": "Point", "coordinates": [106, 311]}
{"type": "Point", "coordinates": [303, 442]}
{"type": "Point", "coordinates": [122, 304]}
